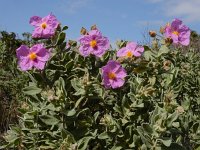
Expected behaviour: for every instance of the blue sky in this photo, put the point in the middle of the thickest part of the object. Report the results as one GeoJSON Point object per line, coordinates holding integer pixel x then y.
{"type": "Point", "coordinates": [117, 19]}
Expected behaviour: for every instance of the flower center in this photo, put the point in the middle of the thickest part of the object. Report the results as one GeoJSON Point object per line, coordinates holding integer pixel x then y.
{"type": "Point", "coordinates": [44, 25]}
{"type": "Point", "coordinates": [111, 75]}
{"type": "Point", "coordinates": [129, 54]}
{"type": "Point", "coordinates": [93, 43]}
{"type": "Point", "coordinates": [32, 56]}
{"type": "Point", "coordinates": [175, 32]}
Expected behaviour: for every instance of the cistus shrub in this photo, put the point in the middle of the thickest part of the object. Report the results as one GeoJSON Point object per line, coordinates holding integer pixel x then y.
{"type": "Point", "coordinates": [86, 95]}
{"type": "Point", "coordinates": [12, 80]}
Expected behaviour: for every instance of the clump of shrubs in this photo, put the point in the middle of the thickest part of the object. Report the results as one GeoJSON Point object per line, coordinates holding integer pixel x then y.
{"type": "Point", "coordinates": [86, 95]}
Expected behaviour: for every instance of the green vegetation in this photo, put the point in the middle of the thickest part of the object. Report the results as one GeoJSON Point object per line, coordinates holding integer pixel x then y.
{"type": "Point", "coordinates": [66, 106]}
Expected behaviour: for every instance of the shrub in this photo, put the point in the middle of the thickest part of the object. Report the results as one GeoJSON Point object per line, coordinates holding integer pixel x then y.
{"type": "Point", "coordinates": [12, 80]}
{"type": "Point", "coordinates": [70, 108]}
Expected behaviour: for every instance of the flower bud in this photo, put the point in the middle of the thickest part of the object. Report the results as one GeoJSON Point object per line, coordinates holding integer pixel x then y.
{"type": "Point", "coordinates": [180, 110]}
{"type": "Point", "coordinates": [162, 30]}
{"type": "Point", "coordinates": [152, 33]}
{"type": "Point", "coordinates": [83, 31]}
{"type": "Point", "coordinates": [166, 65]}
{"type": "Point", "coordinates": [94, 27]}
{"type": "Point", "coordinates": [168, 41]}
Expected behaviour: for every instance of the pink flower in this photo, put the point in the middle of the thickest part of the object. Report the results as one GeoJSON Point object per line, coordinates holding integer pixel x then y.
{"type": "Point", "coordinates": [44, 27]}
{"type": "Point", "coordinates": [179, 33]}
{"type": "Point", "coordinates": [131, 49]}
{"type": "Point", "coordinates": [93, 43]}
{"type": "Point", "coordinates": [113, 75]}
{"type": "Point", "coordinates": [36, 57]}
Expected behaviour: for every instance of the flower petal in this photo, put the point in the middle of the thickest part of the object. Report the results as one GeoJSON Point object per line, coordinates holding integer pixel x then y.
{"type": "Point", "coordinates": [122, 52]}
{"type": "Point", "coordinates": [138, 51]}
{"type": "Point", "coordinates": [84, 50]}
{"type": "Point", "coordinates": [106, 82]}
{"type": "Point", "coordinates": [51, 21]}
{"type": "Point", "coordinates": [121, 73]}
{"type": "Point", "coordinates": [43, 54]}
{"type": "Point", "coordinates": [35, 21]}
{"type": "Point", "coordinates": [113, 65]}
{"type": "Point", "coordinates": [48, 32]}
{"type": "Point", "coordinates": [131, 46]}
{"type": "Point", "coordinates": [95, 32]}
{"type": "Point", "coordinates": [37, 33]}
{"type": "Point", "coordinates": [25, 64]}
{"type": "Point", "coordinates": [176, 23]}
{"type": "Point", "coordinates": [36, 48]}
{"type": "Point", "coordinates": [117, 83]}
{"type": "Point", "coordinates": [39, 64]}
{"type": "Point", "coordinates": [22, 51]}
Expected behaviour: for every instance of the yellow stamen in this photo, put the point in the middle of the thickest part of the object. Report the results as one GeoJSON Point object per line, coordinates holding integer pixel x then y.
{"type": "Point", "coordinates": [43, 25]}
{"type": "Point", "coordinates": [129, 54]}
{"type": "Point", "coordinates": [111, 75]}
{"type": "Point", "coordinates": [93, 43]}
{"type": "Point", "coordinates": [32, 56]}
{"type": "Point", "coordinates": [175, 32]}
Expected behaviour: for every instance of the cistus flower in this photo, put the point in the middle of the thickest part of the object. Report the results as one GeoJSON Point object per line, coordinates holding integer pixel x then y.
{"type": "Point", "coordinates": [179, 32]}
{"type": "Point", "coordinates": [44, 27]}
{"type": "Point", "coordinates": [131, 49]}
{"type": "Point", "coordinates": [36, 56]}
{"type": "Point", "coordinates": [113, 74]}
{"type": "Point", "coordinates": [93, 43]}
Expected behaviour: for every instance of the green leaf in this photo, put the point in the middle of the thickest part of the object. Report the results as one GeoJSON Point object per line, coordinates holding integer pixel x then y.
{"type": "Point", "coordinates": [103, 135]}
{"type": "Point", "coordinates": [143, 147]}
{"type": "Point", "coordinates": [65, 28]}
{"type": "Point", "coordinates": [167, 142]}
{"type": "Point", "coordinates": [96, 115]}
{"type": "Point", "coordinates": [47, 147]}
{"type": "Point", "coordinates": [49, 120]}
{"type": "Point", "coordinates": [163, 50]}
{"type": "Point", "coordinates": [144, 137]}
{"type": "Point", "coordinates": [78, 101]}
{"type": "Point", "coordinates": [173, 146]}
{"type": "Point", "coordinates": [147, 128]}
{"type": "Point", "coordinates": [32, 90]}
{"type": "Point", "coordinates": [67, 135]}
{"type": "Point", "coordinates": [61, 38]}
{"type": "Point", "coordinates": [31, 77]}
{"type": "Point", "coordinates": [186, 103]}
{"type": "Point", "coordinates": [148, 55]}
{"type": "Point", "coordinates": [71, 112]}
{"type": "Point", "coordinates": [171, 118]}
{"type": "Point", "coordinates": [3, 147]}
{"type": "Point", "coordinates": [62, 83]}
{"type": "Point", "coordinates": [116, 148]}
{"type": "Point", "coordinates": [83, 143]}
{"type": "Point", "coordinates": [198, 148]}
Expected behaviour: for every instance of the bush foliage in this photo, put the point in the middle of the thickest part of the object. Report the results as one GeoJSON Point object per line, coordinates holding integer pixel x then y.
{"type": "Point", "coordinates": [12, 80]}
{"type": "Point", "coordinates": [68, 108]}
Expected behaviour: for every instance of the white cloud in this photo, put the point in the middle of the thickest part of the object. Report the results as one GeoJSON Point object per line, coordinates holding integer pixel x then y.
{"type": "Point", "coordinates": [189, 10]}
{"type": "Point", "coordinates": [151, 22]}
{"type": "Point", "coordinates": [73, 6]}
{"type": "Point", "coordinates": [154, 1]}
